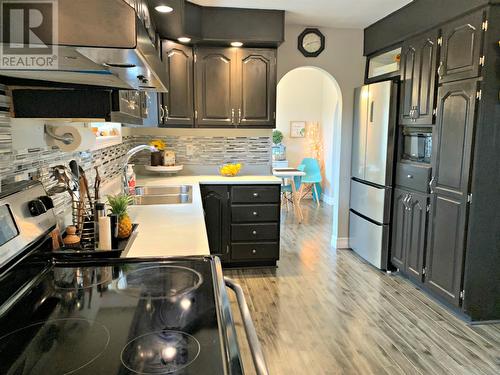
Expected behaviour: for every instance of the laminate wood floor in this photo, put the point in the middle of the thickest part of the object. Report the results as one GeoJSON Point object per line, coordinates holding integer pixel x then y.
{"type": "Point", "coordinates": [325, 311]}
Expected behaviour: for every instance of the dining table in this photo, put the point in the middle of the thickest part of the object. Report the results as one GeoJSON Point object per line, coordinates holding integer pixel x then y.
{"type": "Point", "coordinates": [291, 173]}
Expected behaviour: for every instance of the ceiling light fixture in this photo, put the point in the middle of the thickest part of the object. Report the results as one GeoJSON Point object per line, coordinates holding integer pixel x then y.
{"type": "Point", "coordinates": [164, 9]}
{"type": "Point", "coordinates": [184, 39]}
{"type": "Point", "coordinates": [237, 44]}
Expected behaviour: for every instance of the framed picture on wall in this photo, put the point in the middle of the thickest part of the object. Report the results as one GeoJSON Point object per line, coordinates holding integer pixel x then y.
{"type": "Point", "coordinates": [297, 129]}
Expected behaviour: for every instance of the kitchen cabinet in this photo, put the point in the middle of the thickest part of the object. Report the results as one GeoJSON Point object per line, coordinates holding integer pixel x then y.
{"type": "Point", "coordinates": [215, 200]}
{"type": "Point", "coordinates": [418, 79]}
{"type": "Point", "coordinates": [235, 87]}
{"type": "Point", "coordinates": [243, 223]}
{"type": "Point", "coordinates": [409, 232]}
{"type": "Point", "coordinates": [462, 48]}
{"type": "Point", "coordinates": [257, 87]}
{"type": "Point", "coordinates": [452, 152]}
{"type": "Point", "coordinates": [177, 105]}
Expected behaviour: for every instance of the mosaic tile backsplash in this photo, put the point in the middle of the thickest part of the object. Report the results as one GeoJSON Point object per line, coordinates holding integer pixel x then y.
{"type": "Point", "coordinates": [190, 150]}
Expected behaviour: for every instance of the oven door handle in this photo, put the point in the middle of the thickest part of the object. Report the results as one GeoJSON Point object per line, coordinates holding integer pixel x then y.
{"type": "Point", "coordinates": [253, 339]}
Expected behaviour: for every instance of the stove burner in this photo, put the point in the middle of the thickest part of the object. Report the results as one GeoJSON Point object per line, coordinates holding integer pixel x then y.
{"type": "Point", "coordinates": [160, 352]}
{"type": "Point", "coordinates": [82, 277]}
{"type": "Point", "coordinates": [58, 346]}
{"type": "Point", "coordinates": [160, 282]}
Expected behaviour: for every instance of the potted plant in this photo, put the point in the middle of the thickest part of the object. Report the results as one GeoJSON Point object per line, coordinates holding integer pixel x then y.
{"type": "Point", "coordinates": [156, 157]}
{"type": "Point", "coordinates": [279, 149]}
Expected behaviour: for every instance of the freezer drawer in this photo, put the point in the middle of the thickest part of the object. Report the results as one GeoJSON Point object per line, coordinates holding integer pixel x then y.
{"type": "Point", "coordinates": [369, 240]}
{"type": "Point", "coordinates": [373, 202]}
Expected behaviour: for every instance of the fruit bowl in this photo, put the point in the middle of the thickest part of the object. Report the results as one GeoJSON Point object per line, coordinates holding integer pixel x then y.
{"type": "Point", "coordinates": [230, 170]}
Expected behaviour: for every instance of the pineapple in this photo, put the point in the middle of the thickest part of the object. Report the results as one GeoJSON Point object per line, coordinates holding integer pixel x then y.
{"type": "Point", "coordinates": [119, 205]}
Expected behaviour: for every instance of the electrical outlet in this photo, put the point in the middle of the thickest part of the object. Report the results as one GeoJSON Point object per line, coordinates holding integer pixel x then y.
{"type": "Point", "coordinates": [190, 150]}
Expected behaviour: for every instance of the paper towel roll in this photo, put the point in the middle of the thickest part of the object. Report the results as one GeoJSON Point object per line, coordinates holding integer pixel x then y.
{"type": "Point", "coordinates": [83, 138]}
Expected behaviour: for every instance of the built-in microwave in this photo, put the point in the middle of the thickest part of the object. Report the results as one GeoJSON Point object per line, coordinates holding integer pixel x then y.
{"type": "Point", "coordinates": [417, 145]}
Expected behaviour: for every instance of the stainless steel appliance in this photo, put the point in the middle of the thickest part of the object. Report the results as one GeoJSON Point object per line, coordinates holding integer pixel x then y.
{"type": "Point", "coordinates": [372, 167]}
{"type": "Point", "coordinates": [62, 315]}
{"type": "Point", "coordinates": [99, 43]}
{"type": "Point", "coordinates": [417, 145]}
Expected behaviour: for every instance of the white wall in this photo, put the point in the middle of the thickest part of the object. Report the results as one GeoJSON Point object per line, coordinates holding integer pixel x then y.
{"type": "Point", "coordinates": [309, 94]}
{"type": "Point", "coordinates": [343, 59]}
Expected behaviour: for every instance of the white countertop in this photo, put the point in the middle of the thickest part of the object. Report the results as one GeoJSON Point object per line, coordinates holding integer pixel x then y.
{"type": "Point", "coordinates": [178, 229]}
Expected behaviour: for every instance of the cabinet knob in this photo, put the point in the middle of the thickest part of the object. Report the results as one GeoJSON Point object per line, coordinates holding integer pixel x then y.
{"type": "Point", "coordinates": [255, 213]}
{"type": "Point", "coordinates": [254, 232]}
{"type": "Point", "coordinates": [410, 176]}
{"type": "Point", "coordinates": [255, 195]}
{"type": "Point", "coordinates": [254, 251]}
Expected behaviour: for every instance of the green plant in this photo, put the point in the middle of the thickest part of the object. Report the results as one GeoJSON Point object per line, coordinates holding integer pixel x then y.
{"type": "Point", "coordinates": [277, 137]}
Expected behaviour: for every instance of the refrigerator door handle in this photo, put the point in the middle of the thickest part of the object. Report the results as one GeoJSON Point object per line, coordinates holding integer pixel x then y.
{"type": "Point", "coordinates": [372, 105]}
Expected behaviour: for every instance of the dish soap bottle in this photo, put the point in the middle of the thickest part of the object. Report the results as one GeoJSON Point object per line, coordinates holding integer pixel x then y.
{"type": "Point", "coordinates": [131, 178]}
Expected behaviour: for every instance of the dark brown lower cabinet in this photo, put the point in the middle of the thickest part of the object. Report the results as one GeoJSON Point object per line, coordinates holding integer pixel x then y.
{"type": "Point", "coordinates": [243, 223]}
{"type": "Point", "coordinates": [409, 232]}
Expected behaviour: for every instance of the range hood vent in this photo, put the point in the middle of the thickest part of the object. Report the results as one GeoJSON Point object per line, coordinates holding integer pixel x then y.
{"type": "Point", "coordinates": [99, 43]}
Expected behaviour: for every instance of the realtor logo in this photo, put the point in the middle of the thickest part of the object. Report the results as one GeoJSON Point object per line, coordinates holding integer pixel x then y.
{"type": "Point", "coordinates": [28, 34]}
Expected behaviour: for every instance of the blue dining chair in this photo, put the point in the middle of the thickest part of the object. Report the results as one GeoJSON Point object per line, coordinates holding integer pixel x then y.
{"type": "Point", "coordinates": [311, 182]}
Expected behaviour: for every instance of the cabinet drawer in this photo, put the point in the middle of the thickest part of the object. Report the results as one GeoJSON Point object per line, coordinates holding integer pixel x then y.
{"type": "Point", "coordinates": [255, 213]}
{"type": "Point", "coordinates": [413, 176]}
{"type": "Point", "coordinates": [254, 232]}
{"type": "Point", "coordinates": [255, 251]}
{"type": "Point", "coordinates": [255, 194]}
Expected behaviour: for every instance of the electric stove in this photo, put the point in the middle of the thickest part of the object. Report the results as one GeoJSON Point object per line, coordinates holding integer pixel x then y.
{"type": "Point", "coordinates": [107, 316]}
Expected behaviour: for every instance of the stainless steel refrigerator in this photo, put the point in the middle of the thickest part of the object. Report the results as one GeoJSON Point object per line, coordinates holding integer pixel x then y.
{"type": "Point", "coordinates": [375, 117]}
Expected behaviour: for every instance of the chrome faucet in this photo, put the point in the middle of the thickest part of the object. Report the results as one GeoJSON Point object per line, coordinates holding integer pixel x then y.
{"type": "Point", "coordinates": [128, 156]}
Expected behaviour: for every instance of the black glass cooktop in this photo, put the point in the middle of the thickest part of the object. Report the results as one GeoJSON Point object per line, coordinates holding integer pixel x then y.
{"type": "Point", "coordinates": [111, 318]}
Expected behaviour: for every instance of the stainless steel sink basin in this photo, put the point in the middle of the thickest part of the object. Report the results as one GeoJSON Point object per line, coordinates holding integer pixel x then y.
{"type": "Point", "coordinates": [149, 195]}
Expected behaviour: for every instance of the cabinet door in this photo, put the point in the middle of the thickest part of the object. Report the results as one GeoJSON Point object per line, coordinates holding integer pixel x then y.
{"type": "Point", "coordinates": [216, 87]}
{"type": "Point", "coordinates": [417, 224]}
{"type": "Point", "coordinates": [418, 89]}
{"type": "Point", "coordinates": [408, 82]}
{"type": "Point", "coordinates": [399, 229]}
{"type": "Point", "coordinates": [425, 88]}
{"type": "Point", "coordinates": [462, 48]}
{"type": "Point", "coordinates": [451, 167]}
{"type": "Point", "coordinates": [216, 207]}
{"type": "Point", "coordinates": [257, 87]}
{"type": "Point", "coordinates": [178, 109]}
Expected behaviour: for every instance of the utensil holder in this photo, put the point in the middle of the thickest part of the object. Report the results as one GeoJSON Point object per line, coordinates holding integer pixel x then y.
{"type": "Point", "coordinates": [86, 230]}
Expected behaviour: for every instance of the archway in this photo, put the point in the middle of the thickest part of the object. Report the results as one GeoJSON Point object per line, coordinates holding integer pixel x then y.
{"type": "Point", "coordinates": [313, 95]}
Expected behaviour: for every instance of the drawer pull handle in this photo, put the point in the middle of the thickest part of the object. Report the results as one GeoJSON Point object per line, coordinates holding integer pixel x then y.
{"type": "Point", "coordinates": [255, 195]}
{"type": "Point", "coordinates": [410, 176]}
{"type": "Point", "coordinates": [255, 213]}
{"type": "Point", "coordinates": [254, 232]}
{"type": "Point", "coordinates": [254, 251]}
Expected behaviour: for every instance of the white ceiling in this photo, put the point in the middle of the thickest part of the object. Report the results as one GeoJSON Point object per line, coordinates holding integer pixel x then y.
{"type": "Point", "coordinates": [326, 13]}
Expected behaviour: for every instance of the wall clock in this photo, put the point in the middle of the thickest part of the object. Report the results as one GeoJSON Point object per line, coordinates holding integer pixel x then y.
{"type": "Point", "coordinates": [311, 42]}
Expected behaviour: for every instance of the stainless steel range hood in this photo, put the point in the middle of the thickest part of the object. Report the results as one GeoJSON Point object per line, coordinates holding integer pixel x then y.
{"type": "Point", "coordinates": [100, 43]}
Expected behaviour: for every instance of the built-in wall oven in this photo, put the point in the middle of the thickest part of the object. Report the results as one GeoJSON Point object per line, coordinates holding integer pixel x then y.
{"type": "Point", "coordinates": [417, 144]}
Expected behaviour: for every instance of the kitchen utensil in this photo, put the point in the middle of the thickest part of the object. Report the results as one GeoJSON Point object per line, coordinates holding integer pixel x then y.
{"type": "Point", "coordinates": [83, 179]}
{"type": "Point", "coordinates": [97, 184]}
{"type": "Point", "coordinates": [60, 186]}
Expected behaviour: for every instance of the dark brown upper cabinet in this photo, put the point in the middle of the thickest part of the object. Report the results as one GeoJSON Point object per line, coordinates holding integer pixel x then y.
{"type": "Point", "coordinates": [177, 105]}
{"type": "Point", "coordinates": [216, 72]}
{"type": "Point", "coordinates": [462, 45]}
{"type": "Point", "coordinates": [452, 153]}
{"type": "Point", "coordinates": [257, 87]}
{"type": "Point", "coordinates": [235, 87]}
{"type": "Point", "coordinates": [418, 76]}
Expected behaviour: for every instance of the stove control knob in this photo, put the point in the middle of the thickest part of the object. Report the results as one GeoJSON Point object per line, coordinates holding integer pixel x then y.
{"type": "Point", "coordinates": [36, 207]}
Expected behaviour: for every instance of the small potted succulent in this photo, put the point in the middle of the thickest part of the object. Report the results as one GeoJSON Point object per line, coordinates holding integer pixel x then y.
{"type": "Point", "coordinates": [279, 149]}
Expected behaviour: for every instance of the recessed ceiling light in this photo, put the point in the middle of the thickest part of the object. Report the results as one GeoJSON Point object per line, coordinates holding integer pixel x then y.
{"type": "Point", "coordinates": [184, 39]}
{"type": "Point", "coordinates": [236, 44]}
{"type": "Point", "coordinates": [164, 9]}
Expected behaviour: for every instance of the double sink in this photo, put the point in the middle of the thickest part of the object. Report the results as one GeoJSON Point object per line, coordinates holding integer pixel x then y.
{"type": "Point", "coordinates": [151, 195]}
